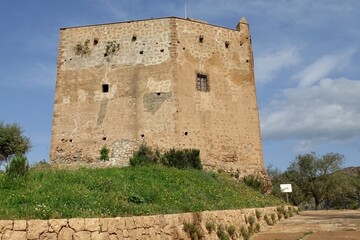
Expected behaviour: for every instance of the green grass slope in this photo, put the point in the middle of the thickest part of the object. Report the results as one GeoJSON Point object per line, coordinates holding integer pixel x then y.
{"type": "Point", "coordinates": [54, 193]}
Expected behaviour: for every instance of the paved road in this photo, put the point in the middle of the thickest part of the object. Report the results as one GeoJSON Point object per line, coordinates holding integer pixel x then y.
{"type": "Point", "coordinates": [316, 225]}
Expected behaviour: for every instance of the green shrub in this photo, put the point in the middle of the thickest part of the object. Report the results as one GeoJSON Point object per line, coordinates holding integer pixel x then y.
{"type": "Point", "coordinates": [144, 156]}
{"type": "Point", "coordinates": [291, 214]}
{"type": "Point", "coordinates": [273, 217]}
{"type": "Point", "coordinates": [231, 231]}
{"type": "Point", "coordinates": [193, 230]}
{"type": "Point", "coordinates": [251, 220]}
{"type": "Point", "coordinates": [104, 153]}
{"type": "Point", "coordinates": [18, 166]}
{"type": "Point", "coordinates": [253, 182]}
{"type": "Point", "coordinates": [257, 227]}
{"type": "Point", "coordinates": [210, 226]}
{"type": "Point", "coordinates": [135, 199]}
{"type": "Point", "coordinates": [281, 211]}
{"type": "Point", "coordinates": [258, 214]}
{"type": "Point", "coordinates": [222, 235]}
{"type": "Point", "coordinates": [245, 233]}
{"type": "Point", "coordinates": [268, 220]}
{"type": "Point", "coordinates": [182, 158]}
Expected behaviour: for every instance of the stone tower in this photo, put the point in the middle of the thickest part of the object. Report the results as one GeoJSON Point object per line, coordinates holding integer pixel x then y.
{"type": "Point", "coordinates": [167, 82]}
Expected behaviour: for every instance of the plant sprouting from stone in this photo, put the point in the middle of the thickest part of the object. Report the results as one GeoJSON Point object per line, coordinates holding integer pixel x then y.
{"type": "Point", "coordinates": [104, 153]}
{"type": "Point", "coordinates": [111, 48]}
{"type": "Point", "coordinates": [82, 48]}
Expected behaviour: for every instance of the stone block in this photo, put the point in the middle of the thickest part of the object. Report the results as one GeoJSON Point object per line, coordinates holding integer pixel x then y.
{"type": "Point", "coordinates": [57, 224]}
{"type": "Point", "coordinates": [92, 224]}
{"type": "Point", "coordinates": [36, 228]}
{"type": "Point", "coordinates": [82, 235]}
{"type": "Point", "coordinates": [14, 235]}
{"type": "Point", "coordinates": [78, 224]}
{"type": "Point", "coordinates": [48, 236]}
{"type": "Point", "coordinates": [114, 237]}
{"type": "Point", "coordinates": [6, 225]}
{"type": "Point", "coordinates": [20, 225]}
{"type": "Point", "coordinates": [66, 233]}
{"type": "Point", "coordinates": [100, 236]}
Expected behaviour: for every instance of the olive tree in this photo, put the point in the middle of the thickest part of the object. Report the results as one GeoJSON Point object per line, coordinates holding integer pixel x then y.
{"type": "Point", "coordinates": [12, 141]}
{"type": "Point", "coordinates": [317, 176]}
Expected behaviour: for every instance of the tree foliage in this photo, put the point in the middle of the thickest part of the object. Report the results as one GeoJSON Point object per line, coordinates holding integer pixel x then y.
{"type": "Point", "coordinates": [316, 175]}
{"type": "Point", "coordinates": [18, 166]}
{"type": "Point", "coordinates": [312, 177]}
{"type": "Point", "coordinates": [12, 141]}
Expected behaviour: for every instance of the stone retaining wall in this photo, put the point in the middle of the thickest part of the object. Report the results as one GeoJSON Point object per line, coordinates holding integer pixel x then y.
{"type": "Point", "coordinates": [162, 227]}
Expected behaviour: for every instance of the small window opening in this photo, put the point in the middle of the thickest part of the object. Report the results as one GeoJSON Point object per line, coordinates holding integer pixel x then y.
{"type": "Point", "coordinates": [141, 52]}
{"type": "Point", "coordinates": [142, 135]}
{"type": "Point", "coordinates": [104, 138]}
{"type": "Point", "coordinates": [247, 60]}
{"type": "Point", "coordinates": [158, 93]}
{"type": "Point", "coordinates": [162, 50]}
{"type": "Point", "coordinates": [133, 39]}
{"type": "Point", "coordinates": [178, 41]}
{"type": "Point", "coordinates": [227, 43]}
{"type": "Point", "coordinates": [105, 88]}
{"type": "Point", "coordinates": [186, 133]}
{"type": "Point", "coordinates": [70, 140]}
{"type": "Point", "coordinates": [202, 82]}
{"type": "Point", "coordinates": [96, 41]}
{"type": "Point", "coordinates": [201, 38]}
{"type": "Point", "coordinates": [183, 48]}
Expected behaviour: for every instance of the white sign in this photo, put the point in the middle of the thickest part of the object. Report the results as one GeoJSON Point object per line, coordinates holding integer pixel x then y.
{"type": "Point", "coordinates": [285, 188]}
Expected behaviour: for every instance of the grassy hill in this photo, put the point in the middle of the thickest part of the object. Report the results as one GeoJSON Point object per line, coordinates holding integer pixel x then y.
{"type": "Point", "coordinates": [52, 193]}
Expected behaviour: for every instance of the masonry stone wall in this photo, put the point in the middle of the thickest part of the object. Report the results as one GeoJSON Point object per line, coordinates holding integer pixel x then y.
{"type": "Point", "coordinates": [160, 227]}
{"type": "Point", "coordinates": [123, 84]}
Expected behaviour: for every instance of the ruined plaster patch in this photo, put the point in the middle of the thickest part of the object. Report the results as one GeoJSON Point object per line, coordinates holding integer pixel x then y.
{"type": "Point", "coordinates": [154, 100]}
{"type": "Point", "coordinates": [66, 99]}
{"type": "Point", "coordinates": [102, 111]}
{"type": "Point", "coordinates": [81, 95]}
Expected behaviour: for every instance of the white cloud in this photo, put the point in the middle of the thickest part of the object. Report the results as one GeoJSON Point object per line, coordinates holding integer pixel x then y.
{"type": "Point", "coordinates": [329, 110]}
{"type": "Point", "coordinates": [268, 65]}
{"type": "Point", "coordinates": [323, 67]}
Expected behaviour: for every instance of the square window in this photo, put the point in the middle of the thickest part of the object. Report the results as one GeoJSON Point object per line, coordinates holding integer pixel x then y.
{"type": "Point", "coordinates": [202, 82]}
{"type": "Point", "coordinates": [105, 88]}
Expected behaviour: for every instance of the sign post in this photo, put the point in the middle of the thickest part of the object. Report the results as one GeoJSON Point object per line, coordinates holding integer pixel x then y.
{"type": "Point", "coordinates": [286, 188]}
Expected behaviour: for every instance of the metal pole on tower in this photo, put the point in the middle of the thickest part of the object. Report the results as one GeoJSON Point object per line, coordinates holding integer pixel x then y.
{"type": "Point", "coordinates": [185, 11]}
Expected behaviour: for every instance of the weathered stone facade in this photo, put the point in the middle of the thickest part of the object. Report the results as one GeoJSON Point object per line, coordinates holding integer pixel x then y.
{"type": "Point", "coordinates": [162, 227]}
{"type": "Point", "coordinates": [168, 82]}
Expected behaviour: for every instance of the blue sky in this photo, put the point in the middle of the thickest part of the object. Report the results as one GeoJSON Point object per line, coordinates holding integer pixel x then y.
{"type": "Point", "coordinates": [307, 65]}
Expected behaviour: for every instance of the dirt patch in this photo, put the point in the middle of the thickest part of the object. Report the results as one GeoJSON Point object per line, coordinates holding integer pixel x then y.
{"type": "Point", "coordinates": [320, 225]}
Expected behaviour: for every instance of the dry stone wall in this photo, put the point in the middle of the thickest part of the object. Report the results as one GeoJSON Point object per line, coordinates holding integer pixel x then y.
{"type": "Point", "coordinates": [160, 227]}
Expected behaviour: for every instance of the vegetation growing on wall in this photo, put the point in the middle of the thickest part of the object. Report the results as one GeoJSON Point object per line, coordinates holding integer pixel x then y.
{"type": "Point", "coordinates": [104, 153]}
{"type": "Point", "coordinates": [111, 48]}
{"type": "Point", "coordinates": [178, 158]}
{"type": "Point", "coordinates": [82, 48]}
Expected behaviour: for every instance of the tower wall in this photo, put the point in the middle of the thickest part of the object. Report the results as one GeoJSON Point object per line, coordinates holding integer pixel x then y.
{"type": "Point", "coordinates": [153, 92]}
